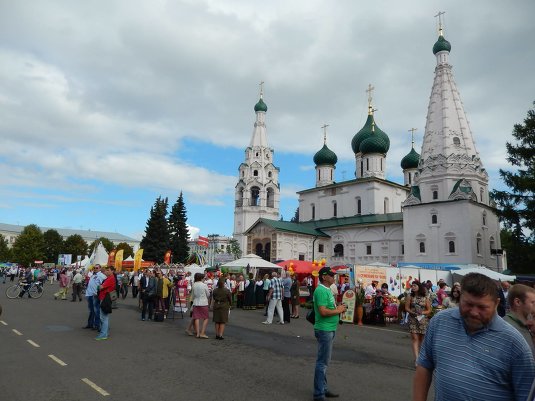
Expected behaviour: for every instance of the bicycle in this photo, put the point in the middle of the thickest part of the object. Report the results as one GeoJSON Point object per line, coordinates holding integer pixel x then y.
{"type": "Point", "coordinates": [35, 290]}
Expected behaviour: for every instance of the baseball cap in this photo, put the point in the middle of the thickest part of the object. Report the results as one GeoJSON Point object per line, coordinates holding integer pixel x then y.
{"type": "Point", "coordinates": [326, 271]}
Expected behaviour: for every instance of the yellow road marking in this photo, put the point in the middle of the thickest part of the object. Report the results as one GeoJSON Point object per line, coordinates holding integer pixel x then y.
{"type": "Point", "coordinates": [95, 387]}
{"type": "Point", "coordinates": [57, 360]}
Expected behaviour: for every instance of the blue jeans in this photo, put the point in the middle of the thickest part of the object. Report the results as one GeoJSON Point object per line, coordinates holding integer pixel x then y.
{"type": "Point", "coordinates": [104, 324]}
{"type": "Point", "coordinates": [325, 347]}
{"type": "Point", "coordinates": [96, 308]}
{"type": "Point", "coordinates": [91, 318]}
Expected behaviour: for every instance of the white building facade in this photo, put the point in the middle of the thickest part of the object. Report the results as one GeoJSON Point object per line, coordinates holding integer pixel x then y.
{"type": "Point", "coordinates": [440, 214]}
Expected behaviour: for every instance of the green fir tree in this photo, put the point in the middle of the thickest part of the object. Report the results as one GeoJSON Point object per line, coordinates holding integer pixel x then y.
{"type": "Point", "coordinates": [178, 231]}
{"type": "Point", "coordinates": [156, 240]}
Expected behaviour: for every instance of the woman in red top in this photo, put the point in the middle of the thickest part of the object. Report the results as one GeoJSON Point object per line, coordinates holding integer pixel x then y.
{"type": "Point", "coordinates": [107, 286]}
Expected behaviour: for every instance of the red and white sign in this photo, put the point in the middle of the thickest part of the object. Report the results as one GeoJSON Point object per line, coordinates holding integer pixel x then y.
{"type": "Point", "coordinates": [203, 241]}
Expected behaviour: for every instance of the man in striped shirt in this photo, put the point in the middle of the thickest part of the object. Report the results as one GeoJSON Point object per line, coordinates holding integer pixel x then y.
{"type": "Point", "coordinates": [275, 296]}
{"type": "Point", "coordinates": [473, 353]}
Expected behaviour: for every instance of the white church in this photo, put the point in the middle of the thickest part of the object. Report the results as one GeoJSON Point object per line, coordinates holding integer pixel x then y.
{"type": "Point", "coordinates": [441, 215]}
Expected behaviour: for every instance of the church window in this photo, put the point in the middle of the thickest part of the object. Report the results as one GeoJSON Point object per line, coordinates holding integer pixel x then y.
{"type": "Point", "coordinates": [255, 196]}
{"type": "Point", "coordinates": [256, 154]}
{"type": "Point", "coordinates": [320, 248]}
{"type": "Point", "coordinates": [270, 198]}
{"type": "Point", "coordinates": [367, 164]}
{"type": "Point", "coordinates": [484, 218]}
{"type": "Point", "coordinates": [478, 244]}
{"type": "Point", "coordinates": [381, 164]}
{"type": "Point", "coordinates": [402, 248]}
{"type": "Point", "coordinates": [385, 205]}
{"type": "Point", "coordinates": [319, 174]}
{"type": "Point", "coordinates": [481, 195]}
{"type": "Point", "coordinates": [422, 247]}
{"type": "Point", "coordinates": [492, 245]}
{"type": "Point", "coordinates": [301, 256]}
{"type": "Point", "coordinates": [359, 206]}
{"type": "Point", "coordinates": [435, 195]}
{"type": "Point", "coordinates": [434, 219]}
{"type": "Point", "coordinates": [313, 211]}
{"type": "Point", "coordinates": [338, 250]}
{"type": "Point", "coordinates": [361, 167]}
{"type": "Point", "coordinates": [331, 175]}
{"type": "Point", "coordinates": [368, 249]}
{"type": "Point", "coordinates": [259, 250]}
{"type": "Point", "coordinates": [410, 178]}
{"type": "Point", "coordinates": [456, 141]}
{"type": "Point", "coordinates": [335, 209]}
{"type": "Point", "coordinates": [451, 246]}
{"type": "Point", "coordinates": [255, 173]}
{"type": "Point", "coordinates": [269, 174]}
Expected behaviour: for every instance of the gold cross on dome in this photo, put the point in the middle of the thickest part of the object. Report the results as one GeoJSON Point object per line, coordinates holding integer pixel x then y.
{"type": "Point", "coordinates": [324, 126]}
{"type": "Point", "coordinates": [439, 15]}
{"type": "Point", "coordinates": [412, 135]}
{"type": "Point", "coordinates": [261, 89]}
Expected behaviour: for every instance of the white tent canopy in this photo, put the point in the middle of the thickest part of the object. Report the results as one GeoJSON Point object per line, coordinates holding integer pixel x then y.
{"type": "Point", "coordinates": [128, 259]}
{"type": "Point", "coordinates": [483, 270]}
{"type": "Point", "coordinates": [253, 261]}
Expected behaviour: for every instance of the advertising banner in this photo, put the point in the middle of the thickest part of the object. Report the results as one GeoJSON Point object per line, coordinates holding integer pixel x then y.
{"type": "Point", "coordinates": [137, 259]}
{"type": "Point", "coordinates": [119, 260]}
{"type": "Point", "coordinates": [368, 274]}
{"type": "Point", "coordinates": [349, 299]}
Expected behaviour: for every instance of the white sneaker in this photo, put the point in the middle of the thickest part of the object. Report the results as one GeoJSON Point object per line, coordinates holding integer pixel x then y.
{"type": "Point", "coordinates": [281, 322]}
{"type": "Point", "coordinates": [266, 322]}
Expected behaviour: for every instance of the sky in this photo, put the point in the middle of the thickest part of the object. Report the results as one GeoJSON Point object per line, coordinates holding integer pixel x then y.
{"type": "Point", "coordinates": [106, 105]}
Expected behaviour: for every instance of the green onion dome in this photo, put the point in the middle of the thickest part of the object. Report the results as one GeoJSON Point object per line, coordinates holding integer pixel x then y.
{"type": "Point", "coordinates": [260, 106]}
{"type": "Point", "coordinates": [375, 143]}
{"type": "Point", "coordinates": [325, 156]}
{"type": "Point", "coordinates": [441, 44]}
{"type": "Point", "coordinates": [363, 134]}
{"type": "Point", "coordinates": [410, 160]}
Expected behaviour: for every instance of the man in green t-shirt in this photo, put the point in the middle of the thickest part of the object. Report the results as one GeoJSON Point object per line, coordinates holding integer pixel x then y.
{"type": "Point", "coordinates": [327, 316]}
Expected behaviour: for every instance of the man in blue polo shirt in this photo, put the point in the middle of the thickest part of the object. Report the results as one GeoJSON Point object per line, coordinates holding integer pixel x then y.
{"type": "Point", "coordinates": [327, 316]}
{"type": "Point", "coordinates": [473, 353]}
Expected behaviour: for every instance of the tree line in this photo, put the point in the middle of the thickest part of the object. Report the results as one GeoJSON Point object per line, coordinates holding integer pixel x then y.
{"type": "Point", "coordinates": [32, 244]}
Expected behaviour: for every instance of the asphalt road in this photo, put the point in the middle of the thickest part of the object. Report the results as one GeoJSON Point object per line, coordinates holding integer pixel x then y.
{"type": "Point", "coordinates": [45, 354]}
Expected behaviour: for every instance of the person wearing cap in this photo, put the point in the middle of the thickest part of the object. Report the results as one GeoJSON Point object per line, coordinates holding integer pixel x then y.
{"type": "Point", "coordinates": [327, 316]}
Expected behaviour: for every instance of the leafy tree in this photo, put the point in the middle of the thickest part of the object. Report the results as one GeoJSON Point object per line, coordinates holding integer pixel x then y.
{"type": "Point", "coordinates": [108, 245]}
{"type": "Point", "coordinates": [75, 245]}
{"type": "Point", "coordinates": [295, 219]}
{"type": "Point", "coordinates": [53, 245]}
{"type": "Point", "coordinates": [29, 246]}
{"type": "Point", "coordinates": [156, 240]}
{"type": "Point", "coordinates": [235, 248]}
{"type": "Point", "coordinates": [5, 252]}
{"type": "Point", "coordinates": [127, 249]}
{"type": "Point", "coordinates": [178, 231]}
{"type": "Point", "coordinates": [517, 205]}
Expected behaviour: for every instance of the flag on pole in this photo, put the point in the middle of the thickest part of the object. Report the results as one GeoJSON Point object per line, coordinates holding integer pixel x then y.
{"type": "Point", "coordinates": [111, 258]}
{"type": "Point", "coordinates": [119, 260]}
{"type": "Point", "coordinates": [202, 241]}
{"type": "Point", "coordinates": [137, 259]}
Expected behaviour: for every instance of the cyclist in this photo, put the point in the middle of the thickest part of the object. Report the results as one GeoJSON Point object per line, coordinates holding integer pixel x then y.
{"type": "Point", "coordinates": [26, 282]}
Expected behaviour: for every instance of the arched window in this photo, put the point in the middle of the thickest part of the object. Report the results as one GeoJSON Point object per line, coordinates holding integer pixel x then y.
{"type": "Point", "coordinates": [361, 167]}
{"type": "Point", "coordinates": [435, 195]}
{"type": "Point", "coordinates": [422, 247]}
{"type": "Point", "coordinates": [478, 244]}
{"type": "Point", "coordinates": [255, 196]}
{"type": "Point", "coordinates": [410, 178]}
{"type": "Point", "coordinates": [270, 198]}
{"type": "Point", "coordinates": [258, 250]}
{"type": "Point", "coordinates": [367, 164]}
{"type": "Point", "coordinates": [481, 191]}
{"type": "Point", "coordinates": [492, 244]}
{"type": "Point", "coordinates": [256, 154]}
{"type": "Point", "coordinates": [359, 206]}
{"type": "Point", "coordinates": [420, 239]}
{"type": "Point", "coordinates": [267, 251]}
{"type": "Point", "coordinates": [484, 218]}
{"type": "Point", "coordinates": [313, 211]}
{"type": "Point", "coordinates": [451, 246]}
{"type": "Point", "coordinates": [381, 164]}
{"type": "Point", "coordinates": [335, 209]}
{"type": "Point", "coordinates": [239, 201]}
{"type": "Point", "coordinates": [319, 174]}
{"type": "Point", "coordinates": [338, 250]}
{"type": "Point", "coordinates": [434, 219]}
{"type": "Point", "coordinates": [269, 174]}
{"type": "Point", "coordinates": [255, 173]}
{"type": "Point", "coordinates": [456, 141]}
{"type": "Point", "coordinates": [385, 205]}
